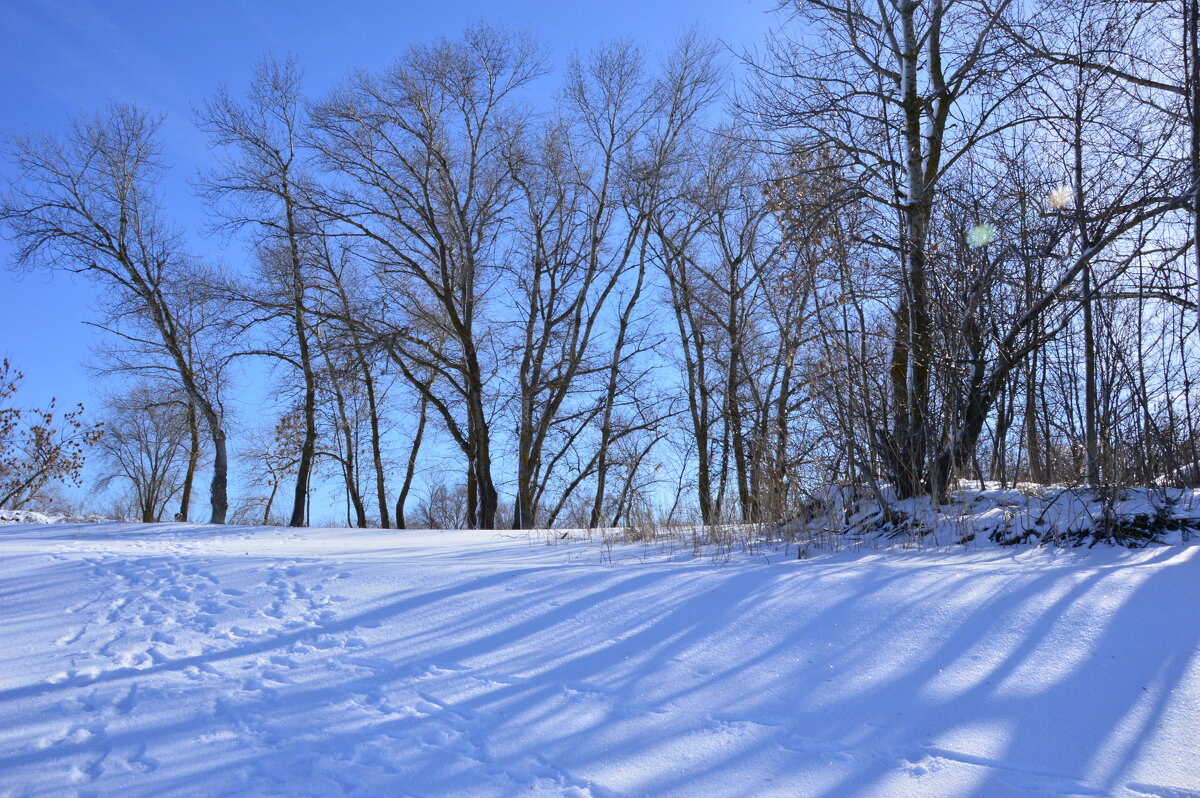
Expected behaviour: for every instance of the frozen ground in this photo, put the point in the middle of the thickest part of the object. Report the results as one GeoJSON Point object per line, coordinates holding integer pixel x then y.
{"type": "Point", "coordinates": [151, 660]}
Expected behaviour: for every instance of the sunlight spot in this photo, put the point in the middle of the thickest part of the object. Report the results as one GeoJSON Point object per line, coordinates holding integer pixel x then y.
{"type": "Point", "coordinates": [981, 235]}
{"type": "Point", "coordinates": [1061, 197]}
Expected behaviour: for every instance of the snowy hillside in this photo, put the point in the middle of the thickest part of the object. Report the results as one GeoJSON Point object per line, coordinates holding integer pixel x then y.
{"type": "Point", "coordinates": [151, 660]}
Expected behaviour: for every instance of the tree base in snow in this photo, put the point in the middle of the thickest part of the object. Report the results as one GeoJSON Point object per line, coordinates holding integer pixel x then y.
{"type": "Point", "coordinates": [1025, 514]}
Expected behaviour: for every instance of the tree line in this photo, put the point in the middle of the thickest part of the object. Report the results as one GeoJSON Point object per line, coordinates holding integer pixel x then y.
{"type": "Point", "coordinates": [919, 241]}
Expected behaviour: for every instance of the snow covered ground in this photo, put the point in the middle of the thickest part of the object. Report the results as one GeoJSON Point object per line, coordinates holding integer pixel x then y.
{"type": "Point", "coordinates": [151, 660]}
{"type": "Point", "coordinates": [1060, 515]}
{"type": "Point", "coordinates": [34, 517]}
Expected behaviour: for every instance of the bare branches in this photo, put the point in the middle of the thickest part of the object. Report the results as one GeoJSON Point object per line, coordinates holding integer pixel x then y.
{"type": "Point", "coordinates": [86, 202]}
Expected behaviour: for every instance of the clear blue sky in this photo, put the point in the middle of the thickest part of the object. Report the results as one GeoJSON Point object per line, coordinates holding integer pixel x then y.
{"type": "Point", "coordinates": [62, 57]}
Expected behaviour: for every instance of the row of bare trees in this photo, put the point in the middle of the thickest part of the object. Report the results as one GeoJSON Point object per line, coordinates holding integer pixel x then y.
{"type": "Point", "coordinates": [927, 240]}
{"type": "Point", "coordinates": [1023, 174]}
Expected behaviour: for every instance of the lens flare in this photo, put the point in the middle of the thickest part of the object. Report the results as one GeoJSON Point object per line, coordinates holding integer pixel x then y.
{"type": "Point", "coordinates": [981, 235]}
{"type": "Point", "coordinates": [1061, 197]}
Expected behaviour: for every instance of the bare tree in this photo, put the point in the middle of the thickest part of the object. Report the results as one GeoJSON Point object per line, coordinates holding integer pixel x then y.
{"type": "Point", "coordinates": [419, 155]}
{"type": "Point", "coordinates": [133, 349]}
{"type": "Point", "coordinates": [911, 97]}
{"type": "Point", "coordinates": [716, 244]}
{"type": "Point", "coordinates": [1142, 52]}
{"type": "Point", "coordinates": [899, 90]}
{"type": "Point", "coordinates": [344, 416]}
{"type": "Point", "coordinates": [344, 306]}
{"type": "Point", "coordinates": [271, 457]}
{"type": "Point", "coordinates": [586, 184]}
{"type": "Point", "coordinates": [145, 446]}
{"type": "Point", "coordinates": [87, 203]}
{"type": "Point", "coordinates": [442, 507]}
{"type": "Point", "coordinates": [259, 185]}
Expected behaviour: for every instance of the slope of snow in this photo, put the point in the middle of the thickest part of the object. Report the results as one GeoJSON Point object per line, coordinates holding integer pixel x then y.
{"type": "Point", "coordinates": [151, 660]}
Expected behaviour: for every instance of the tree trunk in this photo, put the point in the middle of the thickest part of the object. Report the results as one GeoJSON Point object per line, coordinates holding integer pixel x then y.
{"type": "Point", "coordinates": [376, 446]}
{"type": "Point", "coordinates": [1191, 13]}
{"type": "Point", "coordinates": [309, 445]}
{"type": "Point", "coordinates": [472, 497]}
{"type": "Point", "coordinates": [353, 496]}
{"type": "Point", "coordinates": [523, 510]}
{"type": "Point", "coordinates": [1033, 440]}
{"type": "Point", "coordinates": [411, 469]}
{"type": "Point", "coordinates": [480, 465]}
{"type": "Point", "coordinates": [218, 493]}
{"type": "Point", "coordinates": [1090, 438]}
{"type": "Point", "coordinates": [185, 500]}
{"type": "Point", "coordinates": [270, 502]}
{"type": "Point", "coordinates": [610, 393]}
{"type": "Point", "coordinates": [912, 349]}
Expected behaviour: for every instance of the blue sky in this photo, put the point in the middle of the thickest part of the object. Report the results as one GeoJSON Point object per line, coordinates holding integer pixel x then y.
{"type": "Point", "coordinates": [63, 57]}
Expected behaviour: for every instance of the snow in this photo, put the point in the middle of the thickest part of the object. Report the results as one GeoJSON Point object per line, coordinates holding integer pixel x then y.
{"type": "Point", "coordinates": [35, 517]}
{"type": "Point", "coordinates": [174, 659]}
{"type": "Point", "coordinates": [987, 513]}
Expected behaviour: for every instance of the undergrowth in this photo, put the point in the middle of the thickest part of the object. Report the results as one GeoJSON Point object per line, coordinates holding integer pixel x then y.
{"type": "Point", "coordinates": [844, 519]}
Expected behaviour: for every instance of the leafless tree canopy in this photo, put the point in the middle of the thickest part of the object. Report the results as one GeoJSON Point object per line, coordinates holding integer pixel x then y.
{"type": "Point", "coordinates": [921, 241]}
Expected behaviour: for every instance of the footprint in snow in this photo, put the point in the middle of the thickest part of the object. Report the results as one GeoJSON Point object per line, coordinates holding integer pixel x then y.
{"type": "Point", "coordinates": [90, 772]}
{"type": "Point", "coordinates": [141, 762]}
{"type": "Point", "coordinates": [70, 637]}
{"type": "Point", "coordinates": [276, 675]}
{"type": "Point", "coordinates": [126, 703]}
